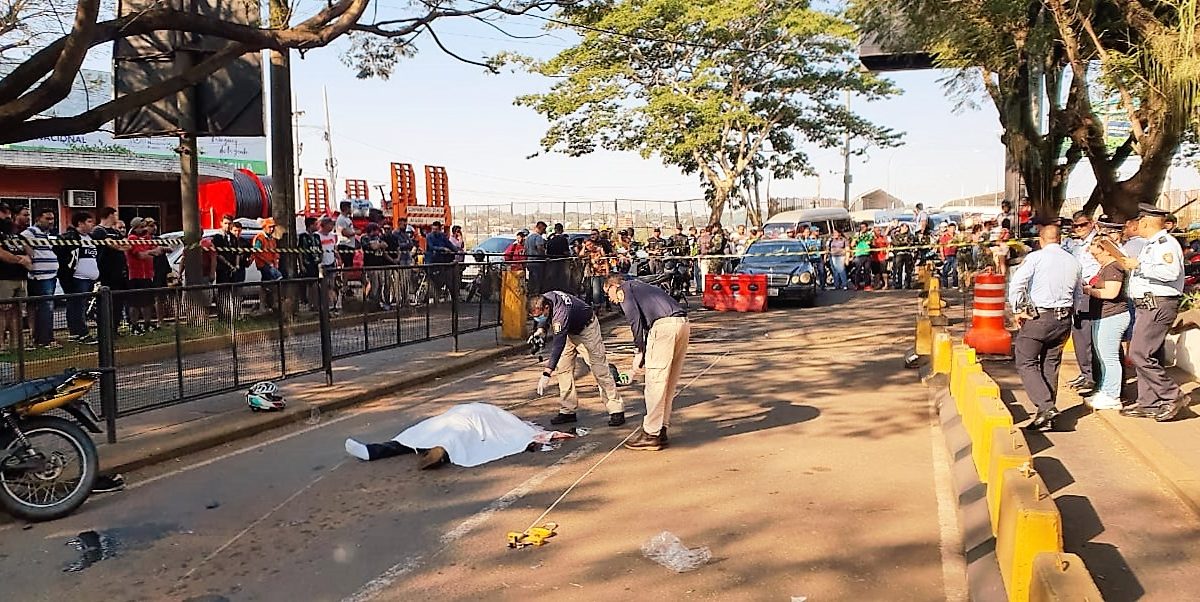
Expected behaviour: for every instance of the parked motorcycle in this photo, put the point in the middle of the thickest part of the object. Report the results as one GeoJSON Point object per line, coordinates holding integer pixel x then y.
{"type": "Point", "coordinates": [48, 464]}
{"type": "Point", "coordinates": [674, 279]}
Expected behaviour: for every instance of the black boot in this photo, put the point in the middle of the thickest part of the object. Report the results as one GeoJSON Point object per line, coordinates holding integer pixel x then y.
{"type": "Point", "coordinates": [561, 418]}
{"type": "Point", "coordinates": [616, 419]}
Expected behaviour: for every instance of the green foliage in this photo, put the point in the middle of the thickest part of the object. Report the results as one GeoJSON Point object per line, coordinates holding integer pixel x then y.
{"type": "Point", "coordinates": [709, 86]}
{"type": "Point", "coordinates": [372, 56]}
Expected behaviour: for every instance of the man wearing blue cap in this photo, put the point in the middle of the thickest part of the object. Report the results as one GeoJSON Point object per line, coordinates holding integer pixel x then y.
{"type": "Point", "coordinates": [1156, 287]}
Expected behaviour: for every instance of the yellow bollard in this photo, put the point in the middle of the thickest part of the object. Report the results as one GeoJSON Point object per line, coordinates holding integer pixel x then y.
{"type": "Point", "coordinates": [514, 319]}
{"type": "Point", "coordinates": [1029, 525]}
{"type": "Point", "coordinates": [933, 302]}
{"type": "Point", "coordinates": [924, 336]}
{"type": "Point", "coordinates": [943, 352]}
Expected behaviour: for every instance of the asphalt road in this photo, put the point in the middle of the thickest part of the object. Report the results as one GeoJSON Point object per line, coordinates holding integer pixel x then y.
{"type": "Point", "coordinates": [802, 456]}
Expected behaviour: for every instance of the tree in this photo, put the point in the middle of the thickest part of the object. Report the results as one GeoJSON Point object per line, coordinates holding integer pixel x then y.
{"type": "Point", "coordinates": [709, 86]}
{"type": "Point", "coordinates": [1006, 50]}
{"type": "Point", "coordinates": [43, 77]}
{"type": "Point", "coordinates": [1147, 57]}
{"type": "Point", "coordinates": [1078, 54]}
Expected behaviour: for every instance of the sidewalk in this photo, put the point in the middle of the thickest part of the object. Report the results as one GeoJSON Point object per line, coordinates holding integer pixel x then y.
{"type": "Point", "coordinates": [158, 435]}
{"type": "Point", "coordinates": [178, 430]}
{"type": "Point", "coordinates": [1128, 489]}
{"type": "Point", "coordinates": [1170, 449]}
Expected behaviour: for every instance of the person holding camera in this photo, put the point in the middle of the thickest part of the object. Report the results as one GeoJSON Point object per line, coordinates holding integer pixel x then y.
{"type": "Point", "coordinates": [571, 324]}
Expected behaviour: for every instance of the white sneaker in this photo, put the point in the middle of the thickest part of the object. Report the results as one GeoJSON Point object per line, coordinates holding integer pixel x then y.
{"type": "Point", "coordinates": [1101, 401]}
{"type": "Point", "coordinates": [358, 450]}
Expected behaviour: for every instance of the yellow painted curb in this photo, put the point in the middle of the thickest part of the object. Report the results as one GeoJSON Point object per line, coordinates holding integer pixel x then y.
{"type": "Point", "coordinates": [1061, 577]}
{"type": "Point", "coordinates": [1029, 525]}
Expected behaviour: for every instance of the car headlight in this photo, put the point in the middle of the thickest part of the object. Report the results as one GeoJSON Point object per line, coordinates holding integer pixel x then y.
{"type": "Point", "coordinates": [805, 277]}
{"type": "Point", "coordinates": [795, 280]}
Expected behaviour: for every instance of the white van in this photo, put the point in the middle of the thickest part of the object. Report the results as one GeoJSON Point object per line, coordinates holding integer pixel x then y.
{"type": "Point", "coordinates": [823, 218]}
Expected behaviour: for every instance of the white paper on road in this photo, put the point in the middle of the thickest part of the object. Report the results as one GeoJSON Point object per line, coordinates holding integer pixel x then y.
{"type": "Point", "coordinates": [475, 433]}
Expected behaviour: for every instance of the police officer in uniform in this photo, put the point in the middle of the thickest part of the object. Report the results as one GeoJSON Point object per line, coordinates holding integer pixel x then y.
{"type": "Point", "coordinates": [1041, 293]}
{"type": "Point", "coordinates": [572, 327]}
{"type": "Point", "coordinates": [1155, 286]}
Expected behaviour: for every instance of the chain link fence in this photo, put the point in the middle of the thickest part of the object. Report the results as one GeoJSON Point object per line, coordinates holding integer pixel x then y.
{"type": "Point", "coordinates": [480, 222]}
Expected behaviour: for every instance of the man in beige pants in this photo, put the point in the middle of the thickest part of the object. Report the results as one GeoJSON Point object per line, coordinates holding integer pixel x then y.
{"type": "Point", "coordinates": [572, 326]}
{"type": "Point", "coordinates": [660, 333]}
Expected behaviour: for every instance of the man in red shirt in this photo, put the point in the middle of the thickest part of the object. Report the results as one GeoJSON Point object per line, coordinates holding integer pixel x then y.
{"type": "Point", "coordinates": [514, 255]}
{"type": "Point", "coordinates": [948, 241]}
{"type": "Point", "coordinates": [140, 260]}
{"type": "Point", "coordinates": [879, 256]}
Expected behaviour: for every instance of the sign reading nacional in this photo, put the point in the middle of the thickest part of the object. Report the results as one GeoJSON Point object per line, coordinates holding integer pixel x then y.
{"type": "Point", "coordinates": [94, 87]}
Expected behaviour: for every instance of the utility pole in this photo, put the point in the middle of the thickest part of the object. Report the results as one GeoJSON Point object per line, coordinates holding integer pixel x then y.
{"type": "Point", "coordinates": [846, 177]}
{"type": "Point", "coordinates": [283, 156]}
{"type": "Point", "coordinates": [189, 167]}
{"type": "Point", "coordinates": [330, 162]}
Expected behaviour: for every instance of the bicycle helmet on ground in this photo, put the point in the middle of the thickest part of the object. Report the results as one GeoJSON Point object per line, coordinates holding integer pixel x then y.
{"type": "Point", "coordinates": [264, 397]}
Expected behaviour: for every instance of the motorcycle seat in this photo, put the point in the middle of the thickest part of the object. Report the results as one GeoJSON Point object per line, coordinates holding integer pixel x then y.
{"type": "Point", "coordinates": [14, 394]}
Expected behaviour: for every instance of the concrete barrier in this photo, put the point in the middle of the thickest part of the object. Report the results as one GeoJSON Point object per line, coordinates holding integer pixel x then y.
{"type": "Point", "coordinates": [974, 384]}
{"type": "Point", "coordinates": [963, 358]}
{"type": "Point", "coordinates": [924, 336]}
{"type": "Point", "coordinates": [1029, 525]}
{"type": "Point", "coordinates": [1061, 577]}
{"type": "Point", "coordinates": [992, 416]}
{"type": "Point", "coordinates": [1009, 450]}
{"type": "Point", "coordinates": [943, 352]}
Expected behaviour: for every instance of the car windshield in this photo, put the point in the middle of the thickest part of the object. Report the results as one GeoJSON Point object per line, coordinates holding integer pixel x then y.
{"type": "Point", "coordinates": [495, 244]}
{"type": "Point", "coordinates": [775, 253]}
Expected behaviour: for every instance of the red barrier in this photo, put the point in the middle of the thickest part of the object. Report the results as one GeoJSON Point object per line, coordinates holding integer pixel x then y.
{"type": "Point", "coordinates": [987, 333]}
{"type": "Point", "coordinates": [751, 293]}
{"type": "Point", "coordinates": [716, 292]}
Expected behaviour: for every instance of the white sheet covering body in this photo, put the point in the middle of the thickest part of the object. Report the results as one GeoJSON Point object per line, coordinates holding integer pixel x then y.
{"type": "Point", "coordinates": [473, 434]}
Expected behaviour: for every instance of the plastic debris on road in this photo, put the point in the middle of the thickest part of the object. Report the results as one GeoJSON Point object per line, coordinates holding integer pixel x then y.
{"type": "Point", "coordinates": [314, 417]}
{"type": "Point", "coordinates": [667, 550]}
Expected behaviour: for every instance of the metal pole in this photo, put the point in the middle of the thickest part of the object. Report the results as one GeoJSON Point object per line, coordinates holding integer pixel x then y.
{"type": "Point", "coordinates": [279, 311]}
{"type": "Point", "coordinates": [454, 271]}
{"type": "Point", "coordinates": [323, 288]}
{"type": "Point", "coordinates": [234, 309]}
{"type": "Point", "coordinates": [179, 349]}
{"type": "Point", "coordinates": [106, 358]}
{"type": "Point", "coordinates": [846, 177]}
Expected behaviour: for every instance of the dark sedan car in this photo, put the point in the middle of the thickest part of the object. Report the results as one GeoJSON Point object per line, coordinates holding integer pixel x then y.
{"type": "Point", "coordinates": [790, 274]}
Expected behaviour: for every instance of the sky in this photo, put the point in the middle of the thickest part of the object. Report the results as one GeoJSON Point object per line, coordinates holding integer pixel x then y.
{"type": "Point", "coordinates": [436, 110]}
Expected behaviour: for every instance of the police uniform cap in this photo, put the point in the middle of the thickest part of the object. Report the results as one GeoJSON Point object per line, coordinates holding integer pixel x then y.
{"type": "Point", "coordinates": [1148, 210]}
{"type": "Point", "coordinates": [1108, 223]}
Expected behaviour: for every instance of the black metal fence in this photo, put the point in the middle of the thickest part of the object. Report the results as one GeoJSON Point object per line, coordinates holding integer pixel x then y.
{"type": "Point", "coordinates": [173, 345]}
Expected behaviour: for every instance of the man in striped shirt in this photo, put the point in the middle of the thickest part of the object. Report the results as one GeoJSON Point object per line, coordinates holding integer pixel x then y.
{"type": "Point", "coordinates": [42, 276]}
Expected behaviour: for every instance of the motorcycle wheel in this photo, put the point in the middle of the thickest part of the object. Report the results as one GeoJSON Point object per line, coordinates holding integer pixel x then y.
{"type": "Point", "coordinates": [66, 480]}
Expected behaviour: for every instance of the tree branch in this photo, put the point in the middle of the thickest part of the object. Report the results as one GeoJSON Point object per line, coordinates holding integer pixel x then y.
{"type": "Point", "coordinates": [438, 41]}
{"type": "Point", "coordinates": [94, 118]}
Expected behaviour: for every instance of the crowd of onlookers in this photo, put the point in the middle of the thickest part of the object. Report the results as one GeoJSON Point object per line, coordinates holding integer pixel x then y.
{"type": "Point", "coordinates": [36, 260]}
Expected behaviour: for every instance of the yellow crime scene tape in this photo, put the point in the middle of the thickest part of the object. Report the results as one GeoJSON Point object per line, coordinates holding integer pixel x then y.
{"type": "Point", "coordinates": [15, 243]}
